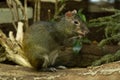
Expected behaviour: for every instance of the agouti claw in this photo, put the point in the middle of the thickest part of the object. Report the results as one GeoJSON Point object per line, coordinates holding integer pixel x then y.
{"type": "Point", "coordinates": [61, 67]}
{"type": "Point", "coordinates": [51, 69]}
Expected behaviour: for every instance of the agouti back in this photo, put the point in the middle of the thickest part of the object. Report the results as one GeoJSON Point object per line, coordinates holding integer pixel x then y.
{"type": "Point", "coordinates": [42, 40]}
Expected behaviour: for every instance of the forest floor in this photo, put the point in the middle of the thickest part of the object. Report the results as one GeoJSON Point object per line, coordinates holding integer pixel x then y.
{"type": "Point", "coordinates": [110, 71]}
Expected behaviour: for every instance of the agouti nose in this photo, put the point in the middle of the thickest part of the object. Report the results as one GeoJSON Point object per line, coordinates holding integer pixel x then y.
{"type": "Point", "coordinates": [86, 31]}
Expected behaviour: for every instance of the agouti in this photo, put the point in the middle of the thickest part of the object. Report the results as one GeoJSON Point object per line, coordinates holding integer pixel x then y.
{"type": "Point", "coordinates": [43, 40]}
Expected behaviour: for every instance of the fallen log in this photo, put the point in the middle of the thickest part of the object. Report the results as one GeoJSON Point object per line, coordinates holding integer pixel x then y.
{"type": "Point", "coordinates": [87, 55]}
{"type": "Point", "coordinates": [109, 71]}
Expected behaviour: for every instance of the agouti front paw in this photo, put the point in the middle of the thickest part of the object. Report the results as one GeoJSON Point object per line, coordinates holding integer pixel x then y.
{"type": "Point", "coordinates": [61, 67]}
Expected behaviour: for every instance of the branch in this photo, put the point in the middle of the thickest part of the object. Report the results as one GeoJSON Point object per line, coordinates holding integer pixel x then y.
{"type": "Point", "coordinates": [58, 10]}
{"type": "Point", "coordinates": [9, 3]}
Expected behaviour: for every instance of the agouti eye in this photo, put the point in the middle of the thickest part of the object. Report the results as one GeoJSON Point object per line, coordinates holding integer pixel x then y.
{"type": "Point", "coordinates": [76, 22]}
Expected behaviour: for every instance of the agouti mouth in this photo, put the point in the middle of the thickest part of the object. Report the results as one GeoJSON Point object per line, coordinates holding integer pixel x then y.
{"type": "Point", "coordinates": [80, 33]}
{"type": "Point", "coordinates": [76, 37]}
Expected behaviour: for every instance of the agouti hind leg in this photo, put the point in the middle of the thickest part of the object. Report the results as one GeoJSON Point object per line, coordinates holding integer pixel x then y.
{"type": "Point", "coordinates": [49, 60]}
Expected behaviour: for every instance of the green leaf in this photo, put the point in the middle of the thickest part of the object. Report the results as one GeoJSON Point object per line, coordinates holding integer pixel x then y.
{"type": "Point", "coordinates": [77, 46]}
{"type": "Point", "coordinates": [85, 40]}
{"type": "Point", "coordinates": [82, 16]}
{"type": "Point", "coordinates": [63, 1]}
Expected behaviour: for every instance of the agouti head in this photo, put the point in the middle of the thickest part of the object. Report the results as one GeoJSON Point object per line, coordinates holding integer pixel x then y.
{"type": "Point", "coordinates": [71, 25]}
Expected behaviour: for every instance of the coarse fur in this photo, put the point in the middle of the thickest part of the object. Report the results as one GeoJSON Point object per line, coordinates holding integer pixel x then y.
{"type": "Point", "coordinates": [43, 40]}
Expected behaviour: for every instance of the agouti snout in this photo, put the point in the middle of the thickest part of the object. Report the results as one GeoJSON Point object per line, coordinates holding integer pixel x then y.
{"type": "Point", "coordinates": [74, 24]}
{"type": "Point", "coordinates": [42, 41]}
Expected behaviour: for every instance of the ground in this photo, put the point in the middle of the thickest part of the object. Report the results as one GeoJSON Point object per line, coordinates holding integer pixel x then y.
{"type": "Point", "coordinates": [109, 71]}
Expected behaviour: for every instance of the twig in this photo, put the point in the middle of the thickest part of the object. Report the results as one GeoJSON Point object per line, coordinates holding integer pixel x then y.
{"type": "Point", "coordinates": [23, 10]}
{"type": "Point", "coordinates": [20, 5]}
{"type": "Point", "coordinates": [56, 6]}
{"type": "Point", "coordinates": [58, 10]}
{"type": "Point", "coordinates": [38, 9]}
{"type": "Point", "coordinates": [25, 14]}
{"type": "Point", "coordinates": [35, 11]}
{"type": "Point", "coordinates": [15, 8]}
{"type": "Point", "coordinates": [9, 3]}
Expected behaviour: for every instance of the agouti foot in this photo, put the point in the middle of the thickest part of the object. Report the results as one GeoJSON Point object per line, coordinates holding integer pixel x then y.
{"type": "Point", "coordinates": [61, 67]}
{"type": "Point", "coordinates": [51, 69]}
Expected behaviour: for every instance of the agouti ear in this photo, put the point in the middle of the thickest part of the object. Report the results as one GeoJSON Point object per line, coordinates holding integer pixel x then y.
{"type": "Point", "coordinates": [74, 12]}
{"type": "Point", "coordinates": [70, 14]}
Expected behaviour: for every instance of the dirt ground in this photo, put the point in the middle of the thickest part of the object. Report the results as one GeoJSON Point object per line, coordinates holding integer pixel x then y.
{"type": "Point", "coordinates": [109, 71]}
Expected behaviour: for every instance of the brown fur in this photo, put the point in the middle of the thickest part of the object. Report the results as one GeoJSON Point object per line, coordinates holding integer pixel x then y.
{"type": "Point", "coordinates": [43, 40]}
